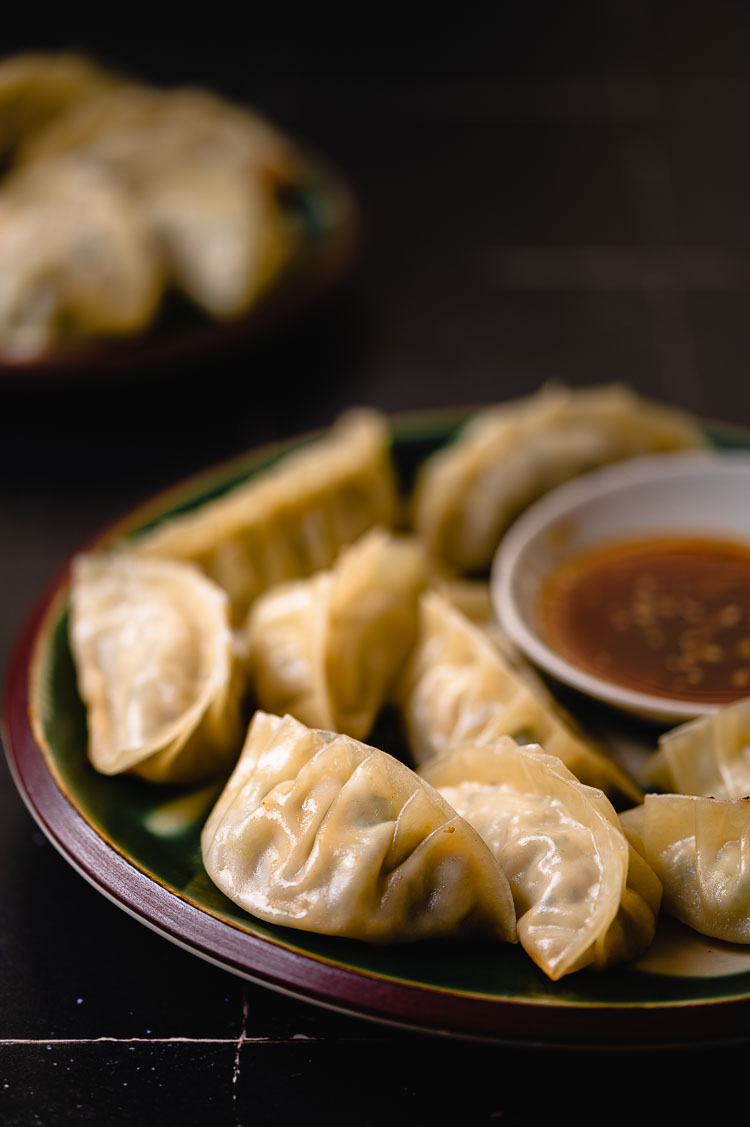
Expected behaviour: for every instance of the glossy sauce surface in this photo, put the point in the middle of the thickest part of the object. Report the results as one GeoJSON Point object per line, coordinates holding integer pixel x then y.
{"type": "Point", "coordinates": [669, 617]}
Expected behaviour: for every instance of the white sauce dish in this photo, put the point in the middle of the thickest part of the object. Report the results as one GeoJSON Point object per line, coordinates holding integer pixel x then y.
{"type": "Point", "coordinates": [693, 501]}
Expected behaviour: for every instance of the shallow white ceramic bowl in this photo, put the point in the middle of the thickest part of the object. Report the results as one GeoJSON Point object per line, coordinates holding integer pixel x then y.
{"type": "Point", "coordinates": [694, 493]}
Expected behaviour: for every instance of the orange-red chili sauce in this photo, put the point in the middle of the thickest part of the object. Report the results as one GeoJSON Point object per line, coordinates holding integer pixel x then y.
{"type": "Point", "coordinates": [663, 616]}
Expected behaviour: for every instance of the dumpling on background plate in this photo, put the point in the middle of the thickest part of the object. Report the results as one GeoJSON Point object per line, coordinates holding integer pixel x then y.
{"type": "Point", "coordinates": [202, 174]}
{"type": "Point", "coordinates": [135, 132]}
{"type": "Point", "coordinates": [36, 87]}
{"type": "Point", "coordinates": [318, 831]}
{"type": "Point", "coordinates": [64, 280]}
{"type": "Point", "coordinates": [222, 236]}
{"type": "Point", "coordinates": [213, 189]}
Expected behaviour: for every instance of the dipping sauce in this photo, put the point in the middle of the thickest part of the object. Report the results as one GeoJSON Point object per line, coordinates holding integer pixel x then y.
{"type": "Point", "coordinates": [669, 617]}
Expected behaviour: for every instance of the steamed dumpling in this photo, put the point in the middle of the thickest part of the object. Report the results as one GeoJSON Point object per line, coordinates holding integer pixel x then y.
{"type": "Point", "coordinates": [135, 132]}
{"type": "Point", "coordinates": [156, 669]}
{"type": "Point", "coordinates": [327, 649]}
{"type": "Point", "coordinates": [201, 172]}
{"type": "Point", "coordinates": [709, 756]}
{"type": "Point", "coordinates": [700, 850]}
{"type": "Point", "coordinates": [318, 831]}
{"type": "Point", "coordinates": [508, 455]}
{"type": "Point", "coordinates": [583, 896]}
{"type": "Point", "coordinates": [62, 278]}
{"type": "Point", "coordinates": [292, 519]}
{"type": "Point", "coordinates": [459, 686]}
{"type": "Point", "coordinates": [223, 237]}
{"type": "Point", "coordinates": [37, 87]}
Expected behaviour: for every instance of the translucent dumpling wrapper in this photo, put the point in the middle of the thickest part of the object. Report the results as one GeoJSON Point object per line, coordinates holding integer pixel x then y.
{"type": "Point", "coordinates": [700, 849]}
{"type": "Point", "coordinates": [291, 520]}
{"type": "Point", "coordinates": [583, 896]}
{"type": "Point", "coordinates": [318, 831]}
{"type": "Point", "coordinates": [709, 756]}
{"type": "Point", "coordinates": [156, 668]}
{"type": "Point", "coordinates": [76, 261]}
{"type": "Point", "coordinates": [510, 454]}
{"type": "Point", "coordinates": [327, 649]}
{"type": "Point", "coordinates": [459, 686]}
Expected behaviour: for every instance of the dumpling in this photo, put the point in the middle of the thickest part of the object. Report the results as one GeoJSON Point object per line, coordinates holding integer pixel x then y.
{"type": "Point", "coordinates": [75, 261]}
{"type": "Point", "coordinates": [203, 174]}
{"type": "Point", "coordinates": [583, 896]}
{"type": "Point", "coordinates": [327, 649]}
{"type": "Point", "coordinates": [471, 597]}
{"type": "Point", "coordinates": [36, 87]}
{"type": "Point", "coordinates": [222, 235]}
{"type": "Point", "coordinates": [318, 831]}
{"type": "Point", "coordinates": [708, 756]}
{"type": "Point", "coordinates": [700, 850]}
{"type": "Point", "coordinates": [459, 686]}
{"type": "Point", "coordinates": [508, 455]}
{"type": "Point", "coordinates": [156, 668]}
{"type": "Point", "coordinates": [291, 520]}
{"type": "Point", "coordinates": [135, 132]}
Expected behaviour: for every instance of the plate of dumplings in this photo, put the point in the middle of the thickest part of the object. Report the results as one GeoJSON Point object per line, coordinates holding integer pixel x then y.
{"type": "Point", "coordinates": [139, 224]}
{"type": "Point", "coordinates": [272, 715]}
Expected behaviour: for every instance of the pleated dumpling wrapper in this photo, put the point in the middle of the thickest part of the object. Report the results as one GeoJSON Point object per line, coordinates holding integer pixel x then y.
{"type": "Point", "coordinates": [156, 668]}
{"type": "Point", "coordinates": [700, 849]}
{"type": "Point", "coordinates": [709, 756]}
{"type": "Point", "coordinates": [508, 455]}
{"type": "Point", "coordinates": [292, 519]}
{"type": "Point", "coordinates": [459, 686]}
{"type": "Point", "coordinates": [583, 896]}
{"type": "Point", "coordinates": [318, 831]}
{"type": "Point", "coordinates": [327, 649]}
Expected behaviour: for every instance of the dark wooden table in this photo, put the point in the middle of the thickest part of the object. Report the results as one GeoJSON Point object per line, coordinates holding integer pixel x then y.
{"type": "Point", "coordinates": [559, 196]}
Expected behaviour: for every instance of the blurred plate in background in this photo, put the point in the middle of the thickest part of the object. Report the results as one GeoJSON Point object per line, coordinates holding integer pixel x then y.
{"type": "Point", "coordinates": [324, 209]}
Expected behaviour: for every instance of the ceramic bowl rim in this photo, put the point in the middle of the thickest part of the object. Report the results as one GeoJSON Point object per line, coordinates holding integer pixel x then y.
{"type": "Point", "coordinates": [596, 487]}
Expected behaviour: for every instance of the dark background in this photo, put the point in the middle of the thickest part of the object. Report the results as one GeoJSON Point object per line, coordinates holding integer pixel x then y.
{"type": "Point", "coordinates": [561, 192]}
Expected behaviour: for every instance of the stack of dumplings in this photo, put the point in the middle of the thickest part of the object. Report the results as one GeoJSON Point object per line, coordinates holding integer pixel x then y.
{"type": "Point", "coordinates": [116, 192]}
{"type": "Point", "coordinates": [304, 603]}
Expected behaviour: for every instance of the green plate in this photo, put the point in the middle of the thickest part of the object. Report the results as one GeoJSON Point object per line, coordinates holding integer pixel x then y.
{"type": "Point", "coordinates": [139, 844]}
